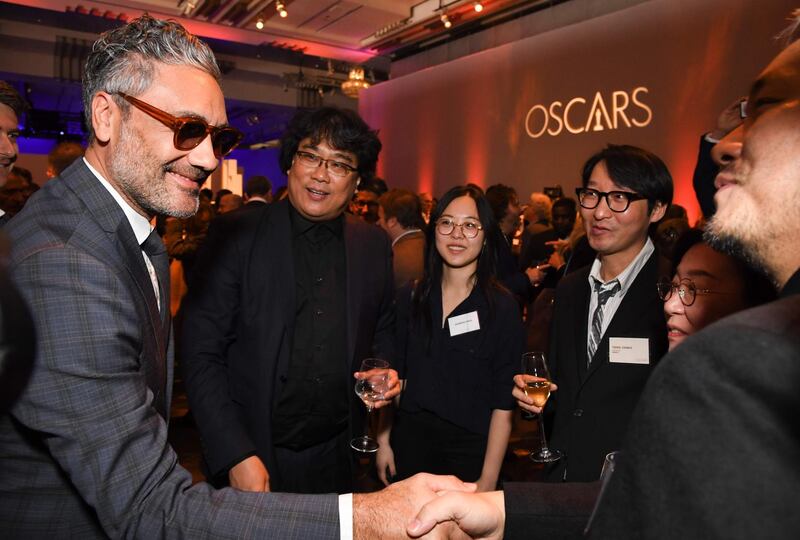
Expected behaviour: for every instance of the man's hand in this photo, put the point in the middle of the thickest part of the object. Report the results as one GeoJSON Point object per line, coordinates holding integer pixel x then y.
{"type": "Point", "coordinates": [384, 461]}
{"type": "Point", "coordinates": [392, 385]}
{"type": "Point", "coordinates": [385, 514]}
{"type": "Point", "coordinates": [536, 274]}
{"type": "Point", "coordinates": [526, 403]}
{"type": "Point", "coordinates": [249, 475]}
{"type": "Point", "coordinates": [729, 119]}
{"type": "Point", "coordinates": [478, 515]}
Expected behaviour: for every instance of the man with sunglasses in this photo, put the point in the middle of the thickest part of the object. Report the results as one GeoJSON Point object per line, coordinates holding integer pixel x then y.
{"type": "Point", "coordinates": [84, 452]}
{"type": "Point", "coordinates": [608, 326]}
{"type": "Point", "coordinates": [290, 300]}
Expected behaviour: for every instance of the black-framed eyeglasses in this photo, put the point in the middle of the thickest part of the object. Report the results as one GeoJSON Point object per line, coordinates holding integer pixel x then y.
{"type": "Point", "coordinates": [336, 168]}
{"type": "Point", "coordinates": [191, 131]}
{"type": "Point", "coordinates": [617, 201]}
{"type": "Point", "coordinates": [446, 226]}
{"type": "Point", "coordinates": [687, 290]}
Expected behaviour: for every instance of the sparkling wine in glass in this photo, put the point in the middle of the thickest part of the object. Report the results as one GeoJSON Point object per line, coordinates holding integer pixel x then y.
{"type": "Point", "coordinates": [537, 387]}
{"type": "Point", "coordinates": [370, 389]}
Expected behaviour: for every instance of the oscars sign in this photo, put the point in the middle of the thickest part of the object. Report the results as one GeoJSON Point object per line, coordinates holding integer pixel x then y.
{"type": "Point", "coordinates": [610, 112]}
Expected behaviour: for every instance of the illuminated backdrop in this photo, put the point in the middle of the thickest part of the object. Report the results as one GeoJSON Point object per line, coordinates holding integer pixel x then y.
{"type": "Point", "coordinates": [530, 112]}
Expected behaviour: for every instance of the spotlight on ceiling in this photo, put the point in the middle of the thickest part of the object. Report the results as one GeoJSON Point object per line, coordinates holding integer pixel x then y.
{"type": "Point", "coordinates": [260, 23]}
{"type": "Point", "coordinates": [281, 9]}
{"type": "Point", "coordinates": [446, 20]}
{"type": "Point", "coordinates": [478, 7]}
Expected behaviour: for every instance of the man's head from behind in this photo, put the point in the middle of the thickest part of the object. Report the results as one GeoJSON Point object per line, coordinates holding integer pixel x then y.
{"type": "Point", "coordinates": [11, 108]}
{"type": "Point", "coordinates": [505, 205]}
{"type": "Point", "coordinates": [758, 187]}
{"type": "Point", "coordinates": [62, 156]}
{"type": "Point", "coordinates": [399, 211]}
{"type": "Point", "coordinates": [325, 152]}
{"type": "Point", "coordinates": [625, 188]}
{"type": "Point", "coordinates": [150, 93]}
{"type": "Point", "coordinates": [258, 186]}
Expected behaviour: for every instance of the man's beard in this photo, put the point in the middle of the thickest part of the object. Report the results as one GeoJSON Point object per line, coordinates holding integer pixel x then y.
{"type": "Point", "coordinates": [735, 247]}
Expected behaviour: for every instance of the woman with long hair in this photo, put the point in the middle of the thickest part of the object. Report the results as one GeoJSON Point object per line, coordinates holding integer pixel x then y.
{"type": "Point", "coordinates": [460, 339]}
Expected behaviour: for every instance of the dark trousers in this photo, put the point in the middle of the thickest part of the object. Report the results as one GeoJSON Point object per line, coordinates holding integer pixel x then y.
{"type": "Point", "coordinates": [323, 468]}
{"type": "Point", "coordinates": [423, 442]}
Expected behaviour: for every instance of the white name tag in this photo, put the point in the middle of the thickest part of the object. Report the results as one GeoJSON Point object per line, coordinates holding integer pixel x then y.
{"type": "Point", "coordinates": [461, 324]}
{"type": "Point", "coordinates": [624, 350]}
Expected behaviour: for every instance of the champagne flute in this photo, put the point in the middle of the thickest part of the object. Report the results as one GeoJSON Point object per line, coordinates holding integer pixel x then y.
{"type": "Point", "coordinates": [537, 388]}
{"type": "Point", "coordinates": [370, 389]}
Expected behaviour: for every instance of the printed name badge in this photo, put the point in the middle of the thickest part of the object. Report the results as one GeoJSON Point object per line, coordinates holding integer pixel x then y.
{"type": "Point", "coordinates": [461, 324]}
{"type": "Point", "coordinates": [628, 350]}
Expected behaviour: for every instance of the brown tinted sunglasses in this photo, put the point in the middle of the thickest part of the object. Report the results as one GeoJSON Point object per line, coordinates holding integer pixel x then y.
{"type": "Point", "coordinates": [189, 131]}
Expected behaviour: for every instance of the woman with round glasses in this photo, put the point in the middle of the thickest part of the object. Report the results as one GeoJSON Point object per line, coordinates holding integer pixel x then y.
{"type": "Point", "coordinates": [707, 286]}
{"type": "Point", "coordinates": [460, 339]}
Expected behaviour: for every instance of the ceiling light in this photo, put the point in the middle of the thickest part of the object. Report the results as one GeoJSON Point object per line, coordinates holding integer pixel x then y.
{"type": "Point", "coordinates": [355, 83]}
{"type": "Point", "coordinates": [260, 23]}
{"type": "Point", "coordinates": [281, 9]}
{"type": "Point", "coordinates": [446, 20]}
{"type": "Point", "coordinates": [478, 7]}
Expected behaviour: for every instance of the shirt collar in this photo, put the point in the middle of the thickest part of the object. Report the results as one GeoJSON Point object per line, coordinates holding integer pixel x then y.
{"type": "Point", "coordinates": [405, 233]}
{"type": "Point", "coordinates": [792, 286]}
{"type": "Point", "coordinates": [627, 276]}
{"type": "Point", "coordinates": [140, 224]}
{"type": "Point", "coordinates": [301, 225]}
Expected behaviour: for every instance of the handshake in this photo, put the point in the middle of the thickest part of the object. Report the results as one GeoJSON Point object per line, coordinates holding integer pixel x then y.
{"type": "Point", "coordinates": [429, 506]}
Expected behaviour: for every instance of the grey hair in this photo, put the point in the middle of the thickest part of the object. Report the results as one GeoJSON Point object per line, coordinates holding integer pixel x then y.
{"type": "Point", "coordinates": [791, 33]}
{"type": "Point", "coordinates": [122, 60]}
{"type": "Point", "coordinates": [541, 206]}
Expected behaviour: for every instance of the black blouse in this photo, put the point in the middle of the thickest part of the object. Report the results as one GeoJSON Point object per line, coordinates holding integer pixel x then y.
{"type": "Point", "coordinates": [460, 378]}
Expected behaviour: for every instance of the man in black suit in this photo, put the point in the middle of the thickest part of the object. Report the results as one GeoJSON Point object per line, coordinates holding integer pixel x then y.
{"type": "Point", "coordinates": [11, 108]}
{"type": "Point", "coordinates": [295, 295]}
{"type": "Point", "coordinates": [713, 444]}
{"type": "Point", "coordinates": [608, 327]}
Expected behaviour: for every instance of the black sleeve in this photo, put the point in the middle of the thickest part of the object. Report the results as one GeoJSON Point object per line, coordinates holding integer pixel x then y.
{"type": "Point", "coordinates": [703, 180]}
{"type": "Point", "coordinates": [548, 510]}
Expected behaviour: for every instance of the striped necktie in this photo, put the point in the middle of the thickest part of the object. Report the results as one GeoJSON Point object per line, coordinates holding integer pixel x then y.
{"type": "Point", "coordinates": [604, 294]}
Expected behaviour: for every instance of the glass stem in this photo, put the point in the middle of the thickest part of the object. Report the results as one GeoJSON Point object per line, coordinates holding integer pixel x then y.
{"type": "Point", "coordinates": [544, 451]}
{"type": "Point", "coordinates": [366, 422]}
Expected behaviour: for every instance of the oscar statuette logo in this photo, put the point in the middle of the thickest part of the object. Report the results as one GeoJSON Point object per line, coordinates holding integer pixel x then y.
{"type": "Point", "coordinates": [620, 109]}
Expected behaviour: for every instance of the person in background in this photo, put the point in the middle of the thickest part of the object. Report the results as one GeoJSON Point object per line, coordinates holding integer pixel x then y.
{"type": "Point", "coordinates": [427, 202]}
{"type": "Point", "coordinates": [706, 286]}
{"type": "Point", "coordinates": [228, 203]}
{"type": "Point", "coordinates": [12, 107]}
{"type": "Point", "coordinates": [257, 191]}
{"type": "Point", "coordinates": [61, 156]}
{"type": "Point", "coordinates": [460, 339]}
{"type": "Point", "coordinates": [400, 215]}
{"type": "Point", "coordinates": [365, 201]}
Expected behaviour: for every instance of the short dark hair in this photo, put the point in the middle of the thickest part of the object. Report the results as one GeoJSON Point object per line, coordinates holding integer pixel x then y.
{"type": "Point", "coordinates": [404, 206]}
{"type": "Point", "coordinates": [63, 154]}
{"type": "Point", "coordinates": [341, 128]}
{"type": "Point", "coordinates": [11, 98]}
{"type": "Point", "coordinates": [566, 202]}
{"type": "Point", "coordinates": [499, 195]}
{"type": "Point", "coordinates": [258, 185]}
{"type": "Point", "coordinates": [636, 169]}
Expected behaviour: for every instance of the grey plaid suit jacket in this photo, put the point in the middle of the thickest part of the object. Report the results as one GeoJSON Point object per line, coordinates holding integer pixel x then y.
{"type": "Point", "coordinates": [84, 452]}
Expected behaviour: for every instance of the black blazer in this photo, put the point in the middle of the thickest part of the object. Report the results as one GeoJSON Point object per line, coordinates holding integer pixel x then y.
{"type": "Point", "coordinates": [592, 407]}
{"type": "Point", "coordinates": [239, 319]}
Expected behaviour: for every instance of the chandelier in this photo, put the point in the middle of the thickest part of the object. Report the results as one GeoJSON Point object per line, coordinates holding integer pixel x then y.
{"type": "Point", "coordinates": [355, 83]}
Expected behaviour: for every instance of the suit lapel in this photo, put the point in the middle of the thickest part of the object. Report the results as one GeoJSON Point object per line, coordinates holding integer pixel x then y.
{"type": "Point", "coordinates": [628, 310]}
{"type": "Point", "coordinates": [581, 321]}
{"type": "Point", "coordinates": [120, 249]}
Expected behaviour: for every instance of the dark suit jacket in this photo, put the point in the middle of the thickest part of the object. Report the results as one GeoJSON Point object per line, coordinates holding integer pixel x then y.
{"type": "Point", "coordinates": [84, 453]}
{"type": "Point", "coordinates": [239, 324]}
{"type": "Point", "coordinates": [592, 408]}
{"type": "Point", "coordinates": [705, 172]}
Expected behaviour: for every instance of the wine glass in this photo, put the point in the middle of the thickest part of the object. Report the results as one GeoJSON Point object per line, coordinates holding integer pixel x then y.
{"type": "Point", "coordinates": [609, 466]}
{"type": "Point", "coordinates": [537, 387]}
{"type": "Point", "coordinates": [370, 389]}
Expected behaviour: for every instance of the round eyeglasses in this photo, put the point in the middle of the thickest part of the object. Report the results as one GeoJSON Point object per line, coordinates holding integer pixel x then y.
{"type": "Point", "coordinates": [687, 290]}
{"type": "Point", "coordinates": [617, 201]}
{"type": "Point", "coordinates": [446, 226]}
